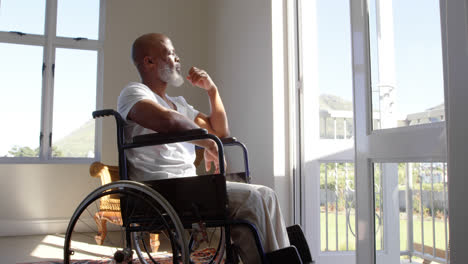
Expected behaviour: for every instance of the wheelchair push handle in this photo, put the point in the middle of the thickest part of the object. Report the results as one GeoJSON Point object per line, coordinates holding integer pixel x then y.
{"type": "Point", "coordinates": [120, 122]}
{"type": "Point", "coordinates": [102, 113]}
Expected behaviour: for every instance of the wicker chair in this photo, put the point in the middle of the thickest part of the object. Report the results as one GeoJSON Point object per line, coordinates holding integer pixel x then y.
{"type": "Point", "coordinates": [109, 209]}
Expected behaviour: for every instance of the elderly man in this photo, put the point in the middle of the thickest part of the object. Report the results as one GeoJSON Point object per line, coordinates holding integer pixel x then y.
{"type": "Point", "coordinates": [148, 109]}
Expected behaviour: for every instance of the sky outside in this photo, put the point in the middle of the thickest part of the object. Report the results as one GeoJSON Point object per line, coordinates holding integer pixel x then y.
{"type": "Point", "coordinates": [418, 61]}
{"type": "Point", "coordinates": [418, 52]}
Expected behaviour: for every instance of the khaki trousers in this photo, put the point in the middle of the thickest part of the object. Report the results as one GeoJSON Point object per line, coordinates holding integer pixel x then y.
{"type": "Point", "coordinates": [259, 205]}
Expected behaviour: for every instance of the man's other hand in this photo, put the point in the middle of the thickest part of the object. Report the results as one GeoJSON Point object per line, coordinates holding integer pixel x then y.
{"type": "Point", "coordinates": [211, 158]}
{"type": "Point", "coordinates": [199, 77]}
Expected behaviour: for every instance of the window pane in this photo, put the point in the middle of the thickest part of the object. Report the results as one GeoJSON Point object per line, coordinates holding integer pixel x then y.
{"type": "Point", "coordinates": [406, 63]}
{"type": "Point", "coordinates": [20, 103]}
{"type": "Point", "coordinates": [78, 19]}
{"type": "Point", "coordinates": [334, 70]}
{"type": "Point", "coordinates": [74, 101]}
{"type": "Point", "coordinates": [27, 16]}
{"type": "Point", "coordinates": [337, 207]}
{"type": "Point", "coordinates": [418, 194]}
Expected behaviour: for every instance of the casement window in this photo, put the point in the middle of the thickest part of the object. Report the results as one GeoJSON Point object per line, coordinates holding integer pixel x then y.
{"type": "Point", "coordinates": [50, 79]}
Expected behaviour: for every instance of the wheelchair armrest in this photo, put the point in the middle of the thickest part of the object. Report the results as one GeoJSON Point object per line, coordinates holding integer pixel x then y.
{"type": "Point", "coordinates": [228, 140]}
{"type": "Point", "coordinates": [237, 176]}
{"type": "Point", "coordinates": [163, 138]}
{"type": "Point", "coordinates": [174, 137]}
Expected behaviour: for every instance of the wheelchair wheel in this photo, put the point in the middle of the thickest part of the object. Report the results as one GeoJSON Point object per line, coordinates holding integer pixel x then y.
{"type": "Point", "coordinates": [141, 210]}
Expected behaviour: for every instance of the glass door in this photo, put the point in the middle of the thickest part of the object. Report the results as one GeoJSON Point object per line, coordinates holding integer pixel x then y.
{"type": "Point", "coordinates": [400, 142]}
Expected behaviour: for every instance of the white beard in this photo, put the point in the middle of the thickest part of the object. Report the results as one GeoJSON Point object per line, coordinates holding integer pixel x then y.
{"type": "Point", "coordinates": [170, 75]}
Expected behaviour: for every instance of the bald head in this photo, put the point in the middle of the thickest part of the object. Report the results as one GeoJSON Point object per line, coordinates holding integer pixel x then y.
{"type": "Point", "coordinates": [147, 45]}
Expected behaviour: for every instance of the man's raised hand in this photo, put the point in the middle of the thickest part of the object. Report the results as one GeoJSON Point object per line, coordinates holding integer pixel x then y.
{"type": "Point", "coordinates": [199, 77]}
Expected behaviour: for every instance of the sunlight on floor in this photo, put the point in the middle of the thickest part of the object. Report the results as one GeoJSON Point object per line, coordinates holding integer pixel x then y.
{"type": "Point", "coordinates": [51, 245]}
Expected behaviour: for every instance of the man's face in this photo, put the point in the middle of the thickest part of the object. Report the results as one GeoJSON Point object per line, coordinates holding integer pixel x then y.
{"type": "Point", "coordinates": [169, 69]}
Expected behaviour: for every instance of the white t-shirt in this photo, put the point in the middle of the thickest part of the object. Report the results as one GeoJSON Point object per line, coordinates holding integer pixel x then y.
{"type": "Point", "coordinates": [155, 162]}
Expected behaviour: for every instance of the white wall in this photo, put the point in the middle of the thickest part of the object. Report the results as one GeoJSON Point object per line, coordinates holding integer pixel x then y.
{"type": "Point", "coordinates": [240, 61]}
{"type": "Point", "coordinates": [40, 198]}
{"type": "Point", "coordinates": [231, 39]}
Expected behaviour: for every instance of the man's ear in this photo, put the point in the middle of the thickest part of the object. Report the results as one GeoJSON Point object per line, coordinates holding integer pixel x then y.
{"type": "Point", "coordinates": [148, 60]}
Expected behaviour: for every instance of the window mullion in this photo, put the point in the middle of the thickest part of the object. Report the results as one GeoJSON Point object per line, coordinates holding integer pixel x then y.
{"type": "Point", "coordinates": [84, 44]}
{"type": "Point", "coordinates": [48, 80]}
{"type": "Point", "coordinates": [100, 79]}
{"type": "Point", "coordinates": [28, 39]}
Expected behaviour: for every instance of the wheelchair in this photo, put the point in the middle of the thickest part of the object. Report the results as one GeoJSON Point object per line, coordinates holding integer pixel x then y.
{"type": "Point", "coordinates": [168, 207]}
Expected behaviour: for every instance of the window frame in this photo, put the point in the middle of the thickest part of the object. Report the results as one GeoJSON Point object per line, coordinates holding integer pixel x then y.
{"type": "Point", "coordinates": [324, 150]}
{"type": "Point", "coordinates": [50, 42]}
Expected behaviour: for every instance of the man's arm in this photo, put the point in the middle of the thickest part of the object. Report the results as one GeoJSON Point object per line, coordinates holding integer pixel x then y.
{"type": "Point", "coordinates": [153, 116]}
{"type": "Point", "coordinates": [216, 123]}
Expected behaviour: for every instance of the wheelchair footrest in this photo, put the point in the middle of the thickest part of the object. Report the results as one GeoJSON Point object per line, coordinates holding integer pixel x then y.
{"type": "Point", "coordinates": [285, 255]}
{"type": "Point", "coordinates": [297, 239]}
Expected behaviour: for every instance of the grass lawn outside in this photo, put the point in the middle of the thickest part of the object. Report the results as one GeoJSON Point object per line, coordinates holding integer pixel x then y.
{"type": "Point", "coordinates": [349, 244]}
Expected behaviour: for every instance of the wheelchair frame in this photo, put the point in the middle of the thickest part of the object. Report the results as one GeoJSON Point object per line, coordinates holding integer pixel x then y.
{"type": "Point", "coordinates": [160, 187]}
